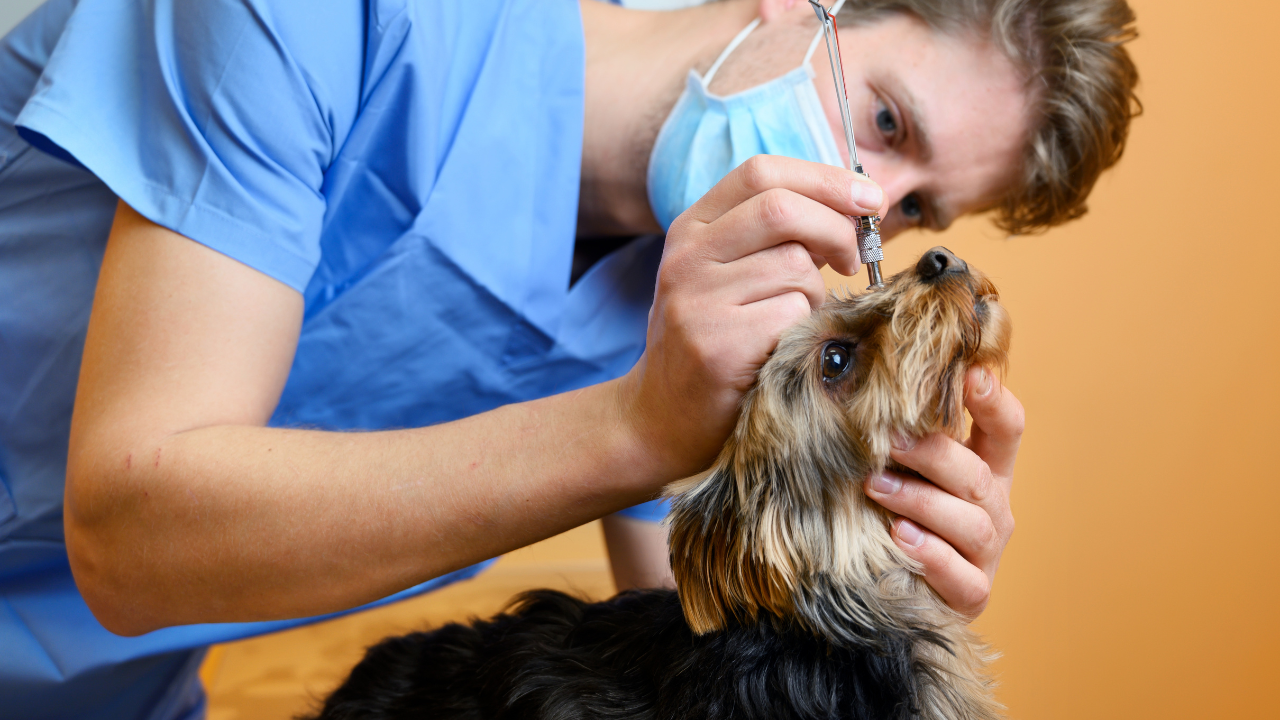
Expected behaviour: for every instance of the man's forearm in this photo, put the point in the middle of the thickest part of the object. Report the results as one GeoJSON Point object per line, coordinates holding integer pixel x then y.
{"type": "Point", "coordinates": [236, 523]}
{"type": "Point", "coordinates": [638, 553]}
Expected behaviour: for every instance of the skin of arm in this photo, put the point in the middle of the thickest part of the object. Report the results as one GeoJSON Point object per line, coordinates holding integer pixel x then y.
{"type": "Point", "coordinates": [637, 553]}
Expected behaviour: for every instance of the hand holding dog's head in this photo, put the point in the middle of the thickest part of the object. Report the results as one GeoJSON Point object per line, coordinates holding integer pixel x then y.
{"type": "Point", "coordinates": [780, 525]}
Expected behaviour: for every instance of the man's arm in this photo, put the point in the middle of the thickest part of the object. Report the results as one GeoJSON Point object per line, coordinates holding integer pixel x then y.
{"type": "Point", "coordinates": [638, 553]}
{"type": "Point", "coordinates": [181, 507]}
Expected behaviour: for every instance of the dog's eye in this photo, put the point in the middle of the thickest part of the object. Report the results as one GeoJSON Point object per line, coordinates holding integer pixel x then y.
{"type": "Point", "coordinates": [835, 360]}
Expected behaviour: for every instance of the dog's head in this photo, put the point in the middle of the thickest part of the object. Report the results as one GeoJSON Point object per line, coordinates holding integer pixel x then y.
{"type": "Point", "coordinates": [780, 524]}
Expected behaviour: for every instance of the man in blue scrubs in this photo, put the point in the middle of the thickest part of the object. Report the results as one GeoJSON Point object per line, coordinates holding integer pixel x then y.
{"type": "Point", "coordinates": [233, 233]}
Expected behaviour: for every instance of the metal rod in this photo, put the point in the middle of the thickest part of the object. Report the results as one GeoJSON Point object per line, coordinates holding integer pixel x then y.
{"type": "Point", "coordinates": [873, 272]}
{"type": "Point", "coordinates": [837, 71]}
{"type": "Point", "coordinates": [867, 228]}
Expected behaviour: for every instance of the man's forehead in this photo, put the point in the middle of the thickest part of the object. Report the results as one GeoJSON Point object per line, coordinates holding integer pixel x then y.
{"type": "Point", "coordinates": [967, 105]}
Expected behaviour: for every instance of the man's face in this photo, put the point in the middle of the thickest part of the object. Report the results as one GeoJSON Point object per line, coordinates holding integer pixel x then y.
{"type": "Point", "coordinates": [940, 120]}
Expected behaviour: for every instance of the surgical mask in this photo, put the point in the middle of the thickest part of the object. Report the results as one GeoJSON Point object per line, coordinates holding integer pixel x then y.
{"type": "Point", "coordinates": [707, 135]}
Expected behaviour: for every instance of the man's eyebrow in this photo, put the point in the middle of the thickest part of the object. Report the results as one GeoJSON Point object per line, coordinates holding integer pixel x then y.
{"type": "Point", "coordinates": [917, 128]}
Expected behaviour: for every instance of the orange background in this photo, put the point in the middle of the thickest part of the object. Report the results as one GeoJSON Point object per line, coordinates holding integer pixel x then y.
{"type": "Point", "coordinates": [1142, 581]}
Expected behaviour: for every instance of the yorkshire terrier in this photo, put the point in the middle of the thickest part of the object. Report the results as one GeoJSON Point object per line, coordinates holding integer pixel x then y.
{"type": "Point", "coordinates": [792, 600]}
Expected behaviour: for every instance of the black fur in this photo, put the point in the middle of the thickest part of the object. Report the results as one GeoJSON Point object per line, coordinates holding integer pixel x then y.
{"type": "Point", "coordinates": [554, 657]}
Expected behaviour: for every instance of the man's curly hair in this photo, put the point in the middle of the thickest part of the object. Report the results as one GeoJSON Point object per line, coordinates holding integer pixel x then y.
{"type": "Point", "coordinates": [1081, 81]}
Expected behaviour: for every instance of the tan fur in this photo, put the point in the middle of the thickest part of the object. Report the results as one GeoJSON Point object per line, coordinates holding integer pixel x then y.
{"type": "Point", "coordinates": [780, 528]}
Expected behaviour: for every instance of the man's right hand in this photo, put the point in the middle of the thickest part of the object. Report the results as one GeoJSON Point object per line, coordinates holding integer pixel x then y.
{"type": "Point", "coordinates": [740, 267]}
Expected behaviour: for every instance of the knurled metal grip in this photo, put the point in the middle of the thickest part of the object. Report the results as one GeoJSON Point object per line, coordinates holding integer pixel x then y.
{"type": "Point", "coordinates": [869, 240]}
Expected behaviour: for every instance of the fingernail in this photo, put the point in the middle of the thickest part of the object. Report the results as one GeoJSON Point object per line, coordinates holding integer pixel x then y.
{"type": "Point", "coordinates": [903, 442]}
{"type": "Point", "coordinates": [909, 533]}
{"type": "Point", "coordinates": [885, 484]}
{"type": "Point", "coordinates": [983, 386]}
{"type": "Point", "coordinates": [867, 195]}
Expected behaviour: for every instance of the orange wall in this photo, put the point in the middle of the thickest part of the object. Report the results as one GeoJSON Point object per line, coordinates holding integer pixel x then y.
{"type": "Point", "coordinates": [1143, 579]}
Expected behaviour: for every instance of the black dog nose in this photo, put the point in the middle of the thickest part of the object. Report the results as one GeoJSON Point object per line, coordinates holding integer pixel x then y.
{"type": "Point", "coordinates": [938, 261]}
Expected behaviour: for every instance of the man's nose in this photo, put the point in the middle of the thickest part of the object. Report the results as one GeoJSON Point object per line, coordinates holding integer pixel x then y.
{"type": "Point", "coordinates": [938, 262]}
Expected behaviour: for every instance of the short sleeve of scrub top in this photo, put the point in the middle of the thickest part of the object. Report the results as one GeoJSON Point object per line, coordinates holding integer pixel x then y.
{"type": "Point", "coordinates": [248, 101]}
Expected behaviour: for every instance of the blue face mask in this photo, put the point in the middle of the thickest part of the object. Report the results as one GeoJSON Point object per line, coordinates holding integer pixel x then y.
{"type": "Point", "coordinates": [706, 135]}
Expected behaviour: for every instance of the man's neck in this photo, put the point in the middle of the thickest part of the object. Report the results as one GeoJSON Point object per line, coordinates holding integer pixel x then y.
{"type": "Point", "coordinates": [636, 63]}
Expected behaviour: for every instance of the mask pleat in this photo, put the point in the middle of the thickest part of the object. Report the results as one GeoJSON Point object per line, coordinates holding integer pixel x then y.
{"type": "Point", "coordinates": [706, 136]}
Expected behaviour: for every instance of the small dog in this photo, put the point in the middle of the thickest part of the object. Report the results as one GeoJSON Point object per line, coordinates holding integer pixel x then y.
{"type": "Point", "coordinates": [793, 601]}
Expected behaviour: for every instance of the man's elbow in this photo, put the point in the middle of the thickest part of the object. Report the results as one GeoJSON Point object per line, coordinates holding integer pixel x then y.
{"type": "Point", "coordinates": [101, 562]}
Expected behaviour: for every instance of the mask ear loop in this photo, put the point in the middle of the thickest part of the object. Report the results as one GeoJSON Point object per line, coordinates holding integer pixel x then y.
{"type": "Point", "coordinates": [737, 40]}
{"type": "Point", "coordinates": [733, 45]}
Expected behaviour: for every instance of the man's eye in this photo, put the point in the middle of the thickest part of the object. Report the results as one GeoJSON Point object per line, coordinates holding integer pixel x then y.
{"type": "Point", "coordinates": [910, 208]}
{"type": "Point", "coordinates": [886, 122]}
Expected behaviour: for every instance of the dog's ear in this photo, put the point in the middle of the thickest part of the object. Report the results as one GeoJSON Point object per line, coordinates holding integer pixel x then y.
{"type": "Point", "coordinates": [723, 556]}
{"type": "Point", "coordinates": [744, 534]}
{"type": "Point", "coordinates": [702, 545]}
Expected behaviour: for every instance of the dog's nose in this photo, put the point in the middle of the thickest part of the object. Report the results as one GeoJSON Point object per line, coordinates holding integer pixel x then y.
{"type": "Point", "coordinates": [937, 262]}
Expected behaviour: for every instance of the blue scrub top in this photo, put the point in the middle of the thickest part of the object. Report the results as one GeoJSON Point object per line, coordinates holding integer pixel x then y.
{"type": "Point", "coordinates": [410, 166]}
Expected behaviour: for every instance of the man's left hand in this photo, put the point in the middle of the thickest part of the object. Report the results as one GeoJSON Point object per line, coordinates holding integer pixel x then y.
{"type": "Point", "coordinates": [958, 524]}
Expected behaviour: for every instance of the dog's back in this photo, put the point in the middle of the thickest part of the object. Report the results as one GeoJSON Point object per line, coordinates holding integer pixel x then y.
{"type": "Point", "coordinates": [554, 657]}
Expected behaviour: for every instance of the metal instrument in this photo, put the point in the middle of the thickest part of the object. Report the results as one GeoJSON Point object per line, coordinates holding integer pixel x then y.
{"type": "Point", "coordinates": [867, 228]}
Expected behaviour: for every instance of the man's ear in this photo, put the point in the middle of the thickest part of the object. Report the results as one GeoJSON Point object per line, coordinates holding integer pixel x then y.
{"type": "Point", "coordinates": [771, 10]}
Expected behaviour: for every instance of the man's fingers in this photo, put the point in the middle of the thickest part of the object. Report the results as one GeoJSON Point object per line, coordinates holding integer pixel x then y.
{"type": "Point", "coordinates": [960, 559]}
{"type": "Point", "coordinates": [780, 215]}
{"type": "Point", "coordinates": [773, 271]}
{"type": "Point", "coordinates": [839, 189]}
{"type": "Point", "coordinates": [843, 191]}
{"type": "Point", "coordinates": [962, 585]}
{"type": "Point", "coordinates": [998, 421]}
{"type": "Point", "coordinates": [967, 527]}
{"type": "Point", "coordinates": [957, 470]}
{"type": "Point", "coordinates": [949, 465]}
